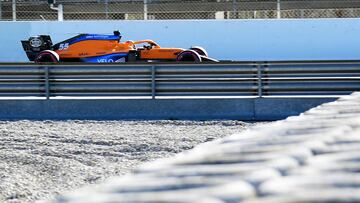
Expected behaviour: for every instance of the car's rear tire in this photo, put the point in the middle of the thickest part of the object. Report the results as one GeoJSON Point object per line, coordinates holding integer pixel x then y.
{"type": "Point", "coordinates": [200, 50]}
{"type": "Point", "coordinates": [47, 56]}
{"type": "Point", "coordinates": [189, 55]}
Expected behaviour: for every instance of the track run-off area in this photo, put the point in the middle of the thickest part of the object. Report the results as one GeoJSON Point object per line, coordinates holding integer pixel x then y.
{"type": "Point", "coordinates": [41, 159]}
{"type": "Point", "coordinates": [313, 157]}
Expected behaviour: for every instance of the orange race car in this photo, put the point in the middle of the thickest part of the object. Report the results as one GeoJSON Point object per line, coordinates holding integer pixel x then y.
{"type": "Point", "coordinates": [95, 48]}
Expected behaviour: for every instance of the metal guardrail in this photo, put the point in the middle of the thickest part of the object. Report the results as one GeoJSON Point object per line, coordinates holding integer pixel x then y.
{"type": "Point", "coordinates": [180, 80]}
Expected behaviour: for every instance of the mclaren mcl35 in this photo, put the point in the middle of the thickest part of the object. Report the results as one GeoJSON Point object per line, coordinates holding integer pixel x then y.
{"type": "Point", "coordinates": [96, 48]}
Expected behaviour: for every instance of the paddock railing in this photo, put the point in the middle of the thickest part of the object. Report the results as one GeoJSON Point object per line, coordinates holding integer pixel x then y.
{"type": "Point", "coordinates": [257, 79]}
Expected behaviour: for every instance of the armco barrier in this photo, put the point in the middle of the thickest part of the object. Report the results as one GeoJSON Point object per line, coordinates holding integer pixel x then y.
{"type": "Point", "coordinates": [181, 80]}
{"type": "Point", "coordinates": [242, 91]}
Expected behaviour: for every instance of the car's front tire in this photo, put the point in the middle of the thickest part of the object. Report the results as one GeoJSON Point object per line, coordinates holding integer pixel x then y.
{"type": "Point", "coordinates": [189, 55]}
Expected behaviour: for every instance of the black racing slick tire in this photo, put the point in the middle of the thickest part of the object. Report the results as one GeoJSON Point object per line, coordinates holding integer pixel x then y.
{"type": "Point", "coordinates": [189, 55]}
{"type": "Point", "coordinates": [47, 56]}
{"type": "Point", "coordinates": [200, 50]}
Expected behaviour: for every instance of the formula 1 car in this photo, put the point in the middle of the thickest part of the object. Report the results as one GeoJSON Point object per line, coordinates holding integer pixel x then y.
{"type": "Point", "coordinates": [96, 48]}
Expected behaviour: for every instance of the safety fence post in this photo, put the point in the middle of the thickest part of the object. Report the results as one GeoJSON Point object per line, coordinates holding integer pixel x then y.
{"type": "Point", "coordinates": [60, 12]}
{"type": "Point", "coordinates": [153, 82]}
{"type": "Point", "coordinates": [47, 83]}
{"type": "Point", "coordinates": [0, 11]}
{"type": "Point", "coordinates": [259, 77]}
{"type": "Point", "coordinates": [14, 10]}
{"type": "Point", "coordinates": [107, 9]}
{"type": "Point", "coordinates": [278, 9]}
{"type": "Point", "coordinates": [145, 10]}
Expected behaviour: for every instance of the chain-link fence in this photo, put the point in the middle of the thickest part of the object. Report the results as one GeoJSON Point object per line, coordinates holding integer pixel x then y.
{"type": "Point", "coordinates": [176, 9]}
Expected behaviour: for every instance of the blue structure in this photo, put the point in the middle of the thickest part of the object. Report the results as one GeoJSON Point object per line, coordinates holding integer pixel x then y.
{"type": "Point", "coordinates": [249, 40]}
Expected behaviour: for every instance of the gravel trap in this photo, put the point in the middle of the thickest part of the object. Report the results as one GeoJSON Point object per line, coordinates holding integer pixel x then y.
{"type": "Point", "coordinates": [41, 159]}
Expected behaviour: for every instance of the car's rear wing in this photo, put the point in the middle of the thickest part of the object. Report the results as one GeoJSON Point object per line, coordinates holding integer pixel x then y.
{"type": "Point", "coordinates": [34, 45]}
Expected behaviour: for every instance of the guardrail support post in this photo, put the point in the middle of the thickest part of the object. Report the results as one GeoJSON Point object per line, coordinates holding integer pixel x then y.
{"type": "Point", "coordinates": [259, 77]}
{"type": "Point", "coordinates": [47, 83]}
{"type": "Point", "coordinates": [153, 82]}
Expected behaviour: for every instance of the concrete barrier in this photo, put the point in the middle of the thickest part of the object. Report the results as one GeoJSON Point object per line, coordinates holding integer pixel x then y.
{"type": "Point", "coordinates": [249, 40]}
{"type": "Point", "coordinates": [250, 109]}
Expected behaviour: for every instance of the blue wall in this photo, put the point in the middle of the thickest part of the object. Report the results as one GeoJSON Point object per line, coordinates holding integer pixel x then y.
{"type": "Point", "coordinates": [246, 109]}
{"type": "Point", "coordinates": [264, 40]}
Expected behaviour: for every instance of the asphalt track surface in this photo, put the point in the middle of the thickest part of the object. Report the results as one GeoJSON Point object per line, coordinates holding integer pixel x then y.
{"type": "Point", "coordinates": [41, 159]}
